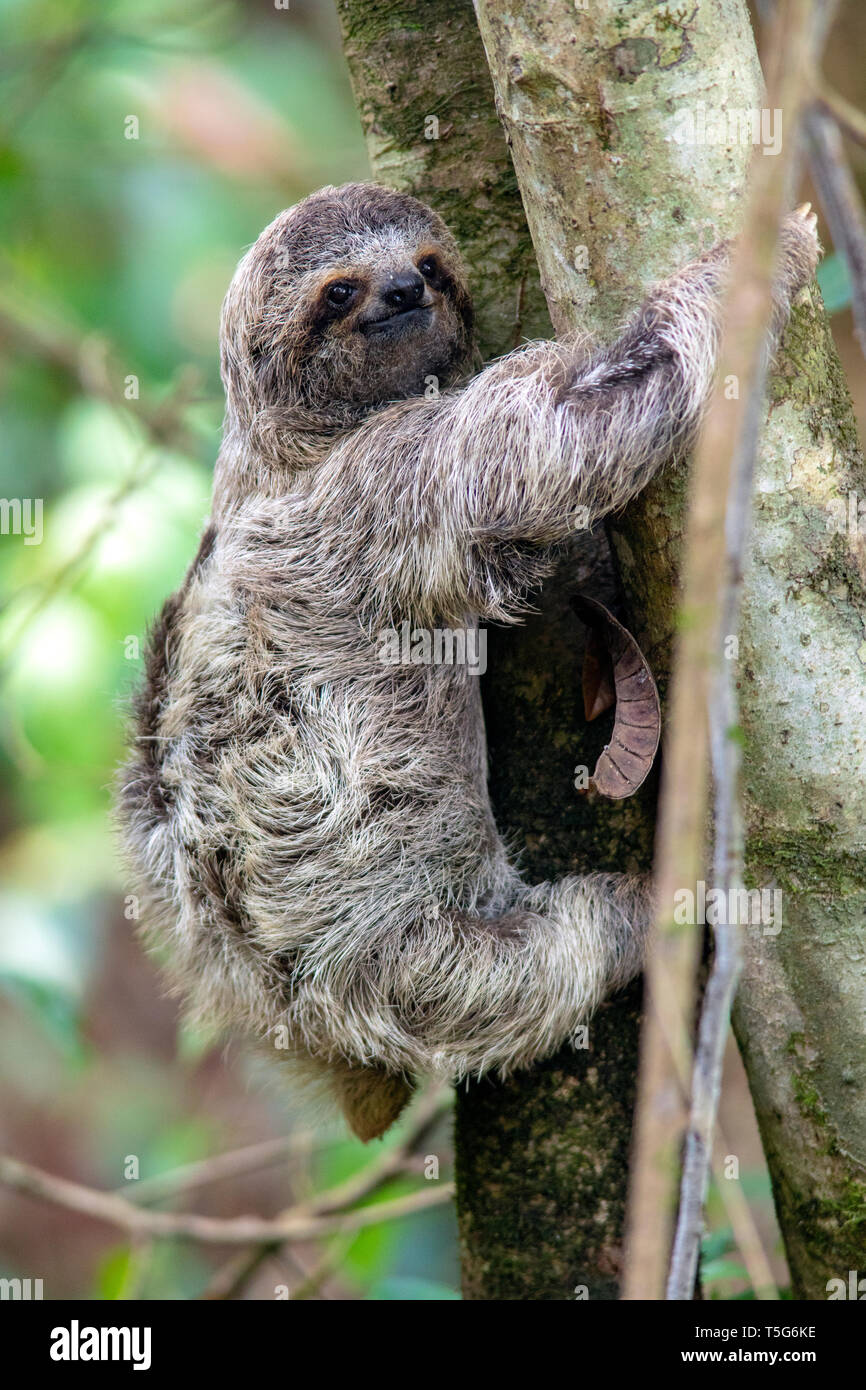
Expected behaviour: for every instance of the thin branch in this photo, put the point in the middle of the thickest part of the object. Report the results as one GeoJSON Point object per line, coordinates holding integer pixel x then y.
{"type": "Point", "coordinates": [43, 69]}
{"type": "Point", "coordinates": [30, 323]}
{"type": "Point", "coordinates": [706, 1089]}
{"type": "Point", "coordinates": [842, 205]}
{"type": "Point", "coordinates": [65, 574]}
{"type": "Point", "coordinates": [829, 169]}
{"type": "Point", "coordinates": [746, 1233]}
{"type": "Point", "coordinates": [329, 1264]}
{"type": "Point", "coordinates": [208, 1170]}
{"type": "Point", "coordinates": [850, 117]}
{"type": "Point", "coordinates": [728, 848]}
{"type": "Point", "coordinates": [393, 1162]}
{"type": "Point", "coordinates": [324, 1216]}
{"type": "Point", "coordinates": [293, 1225]}
{"type": "Point", "coordinates": [828, 163]}
{"type": "Point", "coordinates": [665, 1053]}
{"type": "Point", "coordinates": [231, 1280]}
{"type": "Point", "coordinates": [233, 1277]}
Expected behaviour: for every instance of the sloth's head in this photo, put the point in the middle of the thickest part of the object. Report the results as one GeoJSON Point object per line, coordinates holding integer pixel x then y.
{"type": "Point", "coordinates": [354, 297]}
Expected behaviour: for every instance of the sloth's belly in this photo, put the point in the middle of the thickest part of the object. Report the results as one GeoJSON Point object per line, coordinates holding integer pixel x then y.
{"type": "Point", "coordinates": [342, 788]}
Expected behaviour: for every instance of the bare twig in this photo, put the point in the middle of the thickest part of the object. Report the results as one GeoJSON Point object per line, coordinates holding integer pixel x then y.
{"type": "Point", "coordinates": [745, 1231]}
{"type": "Point", "coordinates": [293, 1225]}
{"type": "Point", "coordinates": [46, 64]}
{"type": "Point", "coordinates": [231, 1280]}
{"type": "Point", "coordinates": [307, 1220]}
{"type": "Point", "coordinates": [31, 324]}
{"type": "Point", "coordinates": [233, 1277]}
{"type": "Point", "coordinates": [831, 173]}
{"type": "Point", "coordinates": [665, 1057]}
{"type": "Point", "coordinates": [208, 1170]}
{"type": "Point", "coordinates": [842, 205]}
{"type": "Point", "coordinates": [725, 757]}
{"type": "Point", "coordinates": [728, 854]}
{"type": "Point", "coordinates": [393, 1162]}
{"type": "Point", "coordinates": [328, 1264]}
{"type": "Point", "coordinates": [850, 118]}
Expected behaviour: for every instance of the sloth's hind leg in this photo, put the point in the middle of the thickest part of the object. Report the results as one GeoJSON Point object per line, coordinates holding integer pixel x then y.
{"type": "Point", "coordinates": [455, 994]}
{"type": "Point", "coordinates": [479, 994]}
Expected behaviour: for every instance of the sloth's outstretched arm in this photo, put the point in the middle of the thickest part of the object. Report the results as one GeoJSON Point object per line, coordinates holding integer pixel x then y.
{"type": "Point", "coordinates": [455, 502]}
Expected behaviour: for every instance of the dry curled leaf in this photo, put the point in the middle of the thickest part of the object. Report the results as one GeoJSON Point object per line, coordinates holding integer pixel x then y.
{"type": "Point", "coordinates": [615, 671]}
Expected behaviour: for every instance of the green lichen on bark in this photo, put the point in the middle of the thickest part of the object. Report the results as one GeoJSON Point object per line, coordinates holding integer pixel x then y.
{"type": "Point", "coordinates": [524, 1238]}
{"type": "Point", "coordinates": [801, 1003]}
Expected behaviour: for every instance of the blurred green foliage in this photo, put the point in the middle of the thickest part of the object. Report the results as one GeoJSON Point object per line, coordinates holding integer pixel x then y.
{"type": "Point", "coordinates": [835, 283]}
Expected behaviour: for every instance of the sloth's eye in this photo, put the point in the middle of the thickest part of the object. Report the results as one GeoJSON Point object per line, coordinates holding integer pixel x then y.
{"type": "Point", "coordinates": [429, 267]}
{"type": "Point", "coordinates": [339, 294]}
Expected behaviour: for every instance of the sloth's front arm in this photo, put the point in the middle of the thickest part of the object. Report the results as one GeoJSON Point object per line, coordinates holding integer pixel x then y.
{"type": "Point", "coordinates": [456, 501]}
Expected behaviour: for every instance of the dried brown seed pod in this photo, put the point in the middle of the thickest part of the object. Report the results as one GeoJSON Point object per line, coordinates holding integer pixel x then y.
{"type": "Point", "coordinates": [615, 671]}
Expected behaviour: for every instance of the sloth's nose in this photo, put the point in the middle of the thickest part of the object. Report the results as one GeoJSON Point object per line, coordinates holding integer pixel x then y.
{"type": "Point", "coordinates": [404, 290]}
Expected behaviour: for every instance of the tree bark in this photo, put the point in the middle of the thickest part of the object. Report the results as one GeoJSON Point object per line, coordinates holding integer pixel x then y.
{"type": "Point", "coordinates": [590, 102]}
{"type": "Point", "coordinates": [425, 101]}
{"type": "Point", "coordinates": [541, 1160]}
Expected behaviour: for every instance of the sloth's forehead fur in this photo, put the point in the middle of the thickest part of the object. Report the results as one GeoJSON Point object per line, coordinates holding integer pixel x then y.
{"type": "Point", "coordinates": [356, 224]}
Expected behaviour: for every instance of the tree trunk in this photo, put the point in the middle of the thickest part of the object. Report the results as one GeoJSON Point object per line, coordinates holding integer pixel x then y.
{"type": "Point", "coordinates": [425, 101]}
{"type": "Point", "coordinates": [591, 101]}
{"type": "Point", "coordinates": [542, 1160]}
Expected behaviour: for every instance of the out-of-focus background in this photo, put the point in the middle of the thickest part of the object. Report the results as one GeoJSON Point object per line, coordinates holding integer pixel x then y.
{"type": "Point", "coordinates": [143, 146]}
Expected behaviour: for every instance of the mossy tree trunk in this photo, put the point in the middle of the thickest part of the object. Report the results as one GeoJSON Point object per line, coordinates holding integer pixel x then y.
{"type": "Point", "coordinates": [542, 1160]}
{"type": "Point", "coordinates": [591, 101]}
{"type": "Point", "coordinates": [425, 101]}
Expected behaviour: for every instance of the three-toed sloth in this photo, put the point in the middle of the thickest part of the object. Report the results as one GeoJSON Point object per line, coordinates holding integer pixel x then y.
{"type": "Point", "coordinates": [310, 823]}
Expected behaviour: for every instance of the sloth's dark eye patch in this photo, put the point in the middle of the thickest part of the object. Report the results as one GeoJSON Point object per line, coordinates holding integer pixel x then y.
{"type": "Point", "coordinates": [340, 294]}
{"type": "Point", "coordinates": [430, 268]}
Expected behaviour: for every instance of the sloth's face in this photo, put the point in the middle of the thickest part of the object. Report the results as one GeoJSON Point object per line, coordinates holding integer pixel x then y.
{"type": "Point", "coordinates": [387, 321]}
{"type": "Point", "coordinates": [351, 299]}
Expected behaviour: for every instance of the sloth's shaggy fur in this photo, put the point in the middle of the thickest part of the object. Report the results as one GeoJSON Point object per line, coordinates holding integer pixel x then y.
{"type": "Point", "coordinates": [311, 827]}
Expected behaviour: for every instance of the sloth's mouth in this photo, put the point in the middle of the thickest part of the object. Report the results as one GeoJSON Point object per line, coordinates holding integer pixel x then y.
{"type": "Point", "coordinates": [399, 319]}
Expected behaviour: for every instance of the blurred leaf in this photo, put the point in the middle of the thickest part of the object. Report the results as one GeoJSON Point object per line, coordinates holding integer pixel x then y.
{"type": "Point", "coordinates": [370, 1255]}
{"type": "Point", "coordinates": [132, 242]}
{"type": "Point", "coordinates": [175, 1271]}
{"type": "Point", "coordinates": [834, 282]}
{"type": "Point", "coordinates": [113, 1273]}
{"type": "Point", "coordinates": [46, 952]}
{"type": "Point", "coordinates": [47, 943]}
{"type": "Point", "coordinates": [178, 1141]}
{"type": "Point", "coordinates": [716, 1243]}
{"type": "Point", "coordinates": [722, 1269]}
{"type": "Point", "coordinates": [55, 1013]}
